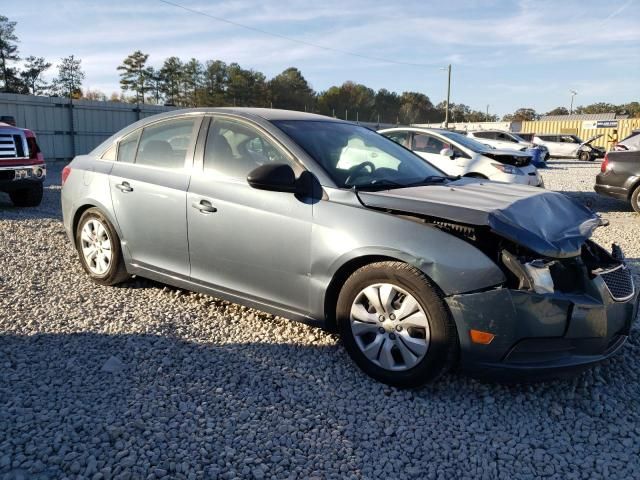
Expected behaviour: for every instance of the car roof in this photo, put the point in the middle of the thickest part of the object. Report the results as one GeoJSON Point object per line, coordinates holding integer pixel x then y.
{"type": "Point", "coordinates": [491, 130]}
{"type": "Point", "coordinates": [416, 129]}
{"type": "Point", "coordinates": [269, 114]}
{"type": "Point", "coordinates": [256, 114]}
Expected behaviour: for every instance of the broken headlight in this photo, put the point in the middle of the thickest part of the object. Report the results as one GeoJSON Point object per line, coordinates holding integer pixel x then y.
{"type": "Point", "coordinates": [540, 275]}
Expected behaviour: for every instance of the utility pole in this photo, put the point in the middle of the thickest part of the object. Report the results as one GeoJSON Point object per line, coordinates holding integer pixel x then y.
{"type": "Point", "coordinates": [446, 113]}
{"type": "Point", "coordinates": [487, 112]}
{"type": "Point", "coordinates": [573, 94]}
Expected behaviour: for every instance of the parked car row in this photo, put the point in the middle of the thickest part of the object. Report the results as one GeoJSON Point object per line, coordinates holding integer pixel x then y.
{"type": "Point", "coordinates": [619, 175]}
{"type": "Point", "coordinates": [459, 155]}
{"type": "Point", "coordinates": [416, 264]}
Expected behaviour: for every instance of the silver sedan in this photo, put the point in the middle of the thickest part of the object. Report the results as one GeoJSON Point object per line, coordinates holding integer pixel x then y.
{"type": "Point", "coordinates": [327, 222]}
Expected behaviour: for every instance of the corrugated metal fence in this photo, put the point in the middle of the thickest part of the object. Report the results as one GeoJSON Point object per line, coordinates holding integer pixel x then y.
{"type": "Point", "coordinates": [67, 128]}
{"type": "Point", "coordinates": [584, 129]}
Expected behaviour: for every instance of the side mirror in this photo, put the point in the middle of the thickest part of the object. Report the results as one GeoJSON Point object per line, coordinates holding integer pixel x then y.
{"type": "Point", "coordinates": [275, 177]}
{"type": "Point", "coordinates": [447, 152]}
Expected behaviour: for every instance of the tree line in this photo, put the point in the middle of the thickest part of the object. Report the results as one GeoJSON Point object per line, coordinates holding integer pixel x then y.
{"type": "Point", "coordinates": [214, 83]}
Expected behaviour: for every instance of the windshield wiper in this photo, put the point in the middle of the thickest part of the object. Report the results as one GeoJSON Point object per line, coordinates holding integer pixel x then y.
{"type": "Point", "coordinates": [382, 184]}
{"type": "Point", "coordinates": [386, 184]}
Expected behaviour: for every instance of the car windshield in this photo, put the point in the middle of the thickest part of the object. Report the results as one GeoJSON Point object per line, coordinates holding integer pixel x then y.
{"type": "Point", "coordinates": [465, 141]}
{"type": "Point", "coordinates": [355, 156]}
{"type": "Point", "coordinates": [517, 137]}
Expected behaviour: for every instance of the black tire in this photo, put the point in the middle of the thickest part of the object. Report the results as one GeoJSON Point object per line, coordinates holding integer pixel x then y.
{"type": "Point", "coordinates": [27, 197]}
{"type": "Point", "coordinates": [116, 271]}
{"type": "Point", "coordinates": [635, 199]}
{"type": "Point", "coordinates": [547, 157]}
{"type": "Point", "coordinates": [585, 156]}
{"type": "Point", "coordinates": [443, 348]}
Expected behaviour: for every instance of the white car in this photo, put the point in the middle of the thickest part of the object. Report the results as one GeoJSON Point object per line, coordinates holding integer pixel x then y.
{"type": "Point", "coordinates": [500, 139]}
{"type": "Point", "coordinates": [564, 145]}
{"type": "Point", "coordinates": [456, 154]}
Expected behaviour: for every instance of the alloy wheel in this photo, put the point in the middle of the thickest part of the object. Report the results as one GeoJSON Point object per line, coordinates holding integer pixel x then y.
{"type": "Point", "coordinates": [390, 327]}
{"type": "Point", "coordinates": [96, 246]}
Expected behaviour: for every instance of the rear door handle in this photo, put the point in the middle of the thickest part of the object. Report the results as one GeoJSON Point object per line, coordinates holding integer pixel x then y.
{"type": "Point", "coordinates": [124, 187]}
{"type": "Point", "coordinates": [204, 206]}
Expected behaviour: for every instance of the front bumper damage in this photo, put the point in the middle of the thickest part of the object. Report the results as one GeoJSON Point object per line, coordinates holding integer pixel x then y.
{"type": "Point", "coordinates": [540, 335]}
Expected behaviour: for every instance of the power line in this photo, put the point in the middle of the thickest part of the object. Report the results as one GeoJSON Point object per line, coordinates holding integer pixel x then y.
{"type": "Point", "coordinates": [291, 39]}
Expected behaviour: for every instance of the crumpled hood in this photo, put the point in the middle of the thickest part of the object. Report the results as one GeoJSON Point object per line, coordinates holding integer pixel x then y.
{"type": "Point", "coordinates": [549, 223]}
{"type": "Point", "coordinates": [588, 142]}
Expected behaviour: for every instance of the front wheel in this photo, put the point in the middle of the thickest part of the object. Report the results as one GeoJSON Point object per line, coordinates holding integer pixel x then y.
{"type": "Point", "coordinates": [99, 249]}
{"type": "Point", "coordinates": [635, 199]}
{"type": "Point", "coordinates": [585, 156]}
{"type": "Point", "coordinates": [27, 197]}
{"type": "Point", "coordinates": [395, 326]}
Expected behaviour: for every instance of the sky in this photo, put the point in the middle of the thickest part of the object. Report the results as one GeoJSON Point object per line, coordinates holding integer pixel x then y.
{"type": "Point", "coordinates": [505, 54]}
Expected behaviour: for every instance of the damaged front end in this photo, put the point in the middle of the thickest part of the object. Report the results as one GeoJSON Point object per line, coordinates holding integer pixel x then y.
{"type": "Point", "coordinates": [565, 302]}
{"type": "Point", "coordinates": [550, 316]}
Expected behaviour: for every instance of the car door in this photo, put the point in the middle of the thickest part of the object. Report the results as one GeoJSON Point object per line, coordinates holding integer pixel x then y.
{"type": "Point", "coordinates": [429, 147]}
{"type": "Point", "coordinates": [148, 185]}
{"type": "Point", "coordinates": [569, 146]}
{"type": "Point", "coordinates": [247, 242]}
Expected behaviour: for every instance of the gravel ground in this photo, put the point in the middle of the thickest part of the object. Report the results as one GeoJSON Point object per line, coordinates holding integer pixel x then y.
{"type": "Point", "coordinates": [148, 381]}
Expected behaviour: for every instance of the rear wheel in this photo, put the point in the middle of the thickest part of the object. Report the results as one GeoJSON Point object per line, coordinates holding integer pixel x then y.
{"type": "Point", "coordinates": [27, 197]}
{"type": "Point", "coordinates": [99, 249]}
{"type": "Point", "coordinates": [635, 199]}
{"type": "Point", "coordinates": [395, 326]}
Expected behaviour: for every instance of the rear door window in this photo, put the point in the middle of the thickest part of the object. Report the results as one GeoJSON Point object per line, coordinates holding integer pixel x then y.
{"type": "Point", "coordinates": [487, 135]}
{"type": "Point", "coordinates": [427, 144]}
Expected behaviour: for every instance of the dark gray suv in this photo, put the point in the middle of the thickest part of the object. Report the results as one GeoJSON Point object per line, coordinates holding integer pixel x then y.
{"type": "Point", "coordinates": [327, 222]}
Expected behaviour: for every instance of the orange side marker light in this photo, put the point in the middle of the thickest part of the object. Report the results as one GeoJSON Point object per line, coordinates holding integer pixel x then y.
{"type": "Point", "coordinates": [483, 338]}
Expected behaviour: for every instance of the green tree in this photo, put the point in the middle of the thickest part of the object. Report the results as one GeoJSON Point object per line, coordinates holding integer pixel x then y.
{"type": "Point", "coordinates": [387, 106]}
{"type": "Point", "coordinates": [32, 74]}
{"type": "Point", "coordinates": [171, 74]}
{"type": "Point", "coordinates": [215, 80]}
{"type": "Point", "coordinates": [416, 108]}
{"type": "Point", "coordinates": [558, 111]}
{"type": "Point", "coordinates": [351, 100]}
{"type": "Point", "coordinates": [632, 109]}
{"type": "Point", "coordinates": [600, 107]}
{"type": "Point", "coordinates": [192, 82]}
{"type": "Point", "coordinates": [8, 54]}
{"type": "Point", "coordinates": [68, 83]}
{"type": "Point", "coordinates": [154, 85]}
{"type": "Point", "coordinates": [246, 88]}
{"type": "Point", "coordinates": [521, 115]}
{"type": "Point", "coordinates": [134, 75]}
{"type": "Point", "coordinates": [290, 90]}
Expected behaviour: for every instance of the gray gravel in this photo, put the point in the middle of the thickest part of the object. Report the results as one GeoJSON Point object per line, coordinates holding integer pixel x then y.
{"type": "Point", "coordinates": [148, 381]}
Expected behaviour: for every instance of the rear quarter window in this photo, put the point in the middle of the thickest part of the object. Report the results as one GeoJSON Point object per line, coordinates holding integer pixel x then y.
{"type": "Point", "coordinates": [127, 147]}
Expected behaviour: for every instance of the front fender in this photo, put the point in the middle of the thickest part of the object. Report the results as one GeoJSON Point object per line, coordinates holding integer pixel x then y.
{"type": "Point", "coordinates": [343, 233]}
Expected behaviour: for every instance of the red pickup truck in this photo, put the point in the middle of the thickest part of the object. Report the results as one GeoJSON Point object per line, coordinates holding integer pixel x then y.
{"type": "Point", "coordinates": [22, 166]}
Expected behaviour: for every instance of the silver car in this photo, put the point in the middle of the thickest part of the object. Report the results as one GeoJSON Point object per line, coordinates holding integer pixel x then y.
{"type": "Point", "coordinates": [419, 272]}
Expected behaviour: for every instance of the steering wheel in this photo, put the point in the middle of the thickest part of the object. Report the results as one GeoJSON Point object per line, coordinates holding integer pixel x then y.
{"type": "Point", "coordinates": [356, 169]}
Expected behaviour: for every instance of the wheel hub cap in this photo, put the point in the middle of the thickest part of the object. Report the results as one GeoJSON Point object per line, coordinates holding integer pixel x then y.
{"type": "Point", "coordinates": [390, 327]}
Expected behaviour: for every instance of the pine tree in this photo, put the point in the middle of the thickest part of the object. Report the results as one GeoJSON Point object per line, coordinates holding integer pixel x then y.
{"type": "Point", "coordinates": [134, 75]}
{"type": "Point", "coordinates": [8, 53]}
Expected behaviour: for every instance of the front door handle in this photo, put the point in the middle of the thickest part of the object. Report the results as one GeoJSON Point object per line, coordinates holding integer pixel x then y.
{"type": "Point", "coordinates": [124, 187]}
{"type": "Point", "coordinates": [204, 206]}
